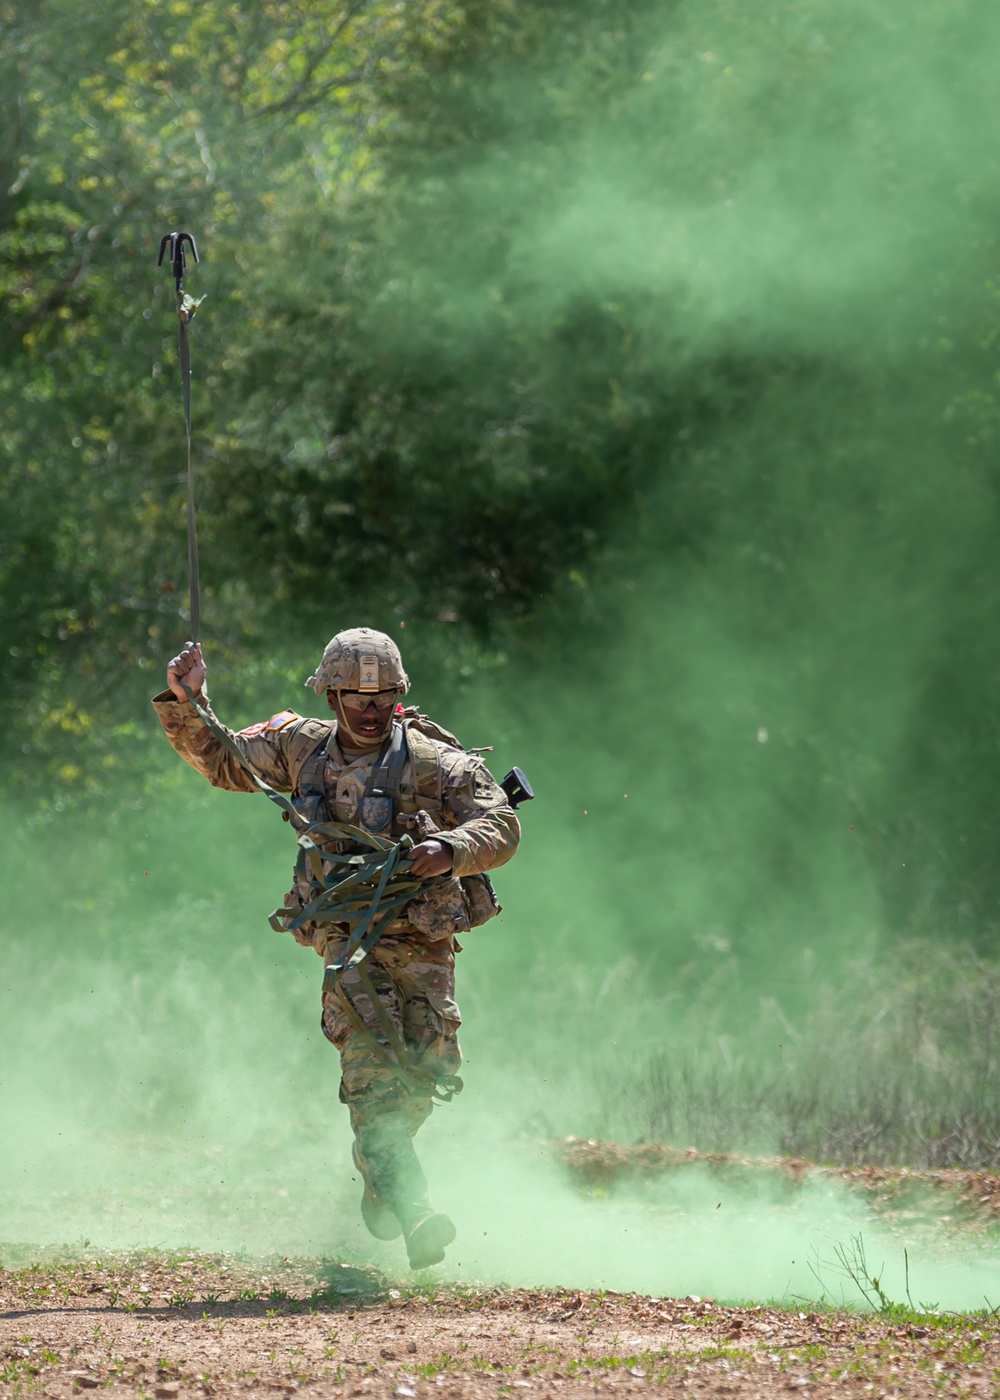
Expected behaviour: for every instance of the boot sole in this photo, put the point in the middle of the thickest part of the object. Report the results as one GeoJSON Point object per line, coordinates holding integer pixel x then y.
{"type": "Point", "coordinates": [427, 1241]}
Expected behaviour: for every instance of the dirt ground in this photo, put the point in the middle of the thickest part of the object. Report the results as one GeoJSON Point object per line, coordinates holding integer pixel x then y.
{"type": "Point", "coordinates": [168, 1325]}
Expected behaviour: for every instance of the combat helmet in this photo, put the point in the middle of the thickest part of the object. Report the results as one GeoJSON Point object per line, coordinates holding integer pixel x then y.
{"type": "Point", "coordinates": [360, 659]}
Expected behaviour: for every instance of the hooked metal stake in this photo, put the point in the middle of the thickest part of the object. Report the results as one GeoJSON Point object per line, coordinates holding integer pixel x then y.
{"type": "Point", "coordinates": [178, 261]}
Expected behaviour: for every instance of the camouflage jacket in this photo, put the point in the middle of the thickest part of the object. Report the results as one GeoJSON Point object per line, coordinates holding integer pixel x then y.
{"type": "Point", "coordinates": [461, 804]}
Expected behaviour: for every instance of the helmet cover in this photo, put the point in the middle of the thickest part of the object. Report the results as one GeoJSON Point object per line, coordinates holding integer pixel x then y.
{"type": "Point", "coordinates": [360, 659]}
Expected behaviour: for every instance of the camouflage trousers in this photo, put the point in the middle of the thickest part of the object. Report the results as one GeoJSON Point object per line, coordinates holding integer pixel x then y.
{"type": "Point", "coordinates": [413, 979]}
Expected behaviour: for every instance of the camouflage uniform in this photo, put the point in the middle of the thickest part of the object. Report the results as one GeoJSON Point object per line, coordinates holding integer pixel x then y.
{"type": "Point", "coordinates": [444, 792]}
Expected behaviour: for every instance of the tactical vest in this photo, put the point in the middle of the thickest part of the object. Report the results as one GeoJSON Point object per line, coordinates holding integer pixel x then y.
{"type": "Point", "coordinates": [386, 791]}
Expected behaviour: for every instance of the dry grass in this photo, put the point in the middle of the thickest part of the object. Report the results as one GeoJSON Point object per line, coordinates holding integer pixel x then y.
{"type": "Point", "coordinates": [896, 1066]}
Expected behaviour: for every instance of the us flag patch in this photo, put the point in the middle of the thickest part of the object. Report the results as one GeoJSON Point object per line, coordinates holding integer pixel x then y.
{"type": "Point", "coordinates": [270, 726]}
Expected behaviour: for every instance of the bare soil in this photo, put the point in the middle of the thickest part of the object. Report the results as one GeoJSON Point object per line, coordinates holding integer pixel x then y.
{"type": "Point", "coordinates": [166, 1325]}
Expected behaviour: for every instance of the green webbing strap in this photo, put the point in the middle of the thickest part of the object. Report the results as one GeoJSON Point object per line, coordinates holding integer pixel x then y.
{"type": "Point", "coordinates": [367, 899]}
{"type": "Point", "coordinates": [231, 747]}
{"type": "Point", "coordinates": [394, 1066]}
{"type": "Point", "coordinates": [443, 1087]}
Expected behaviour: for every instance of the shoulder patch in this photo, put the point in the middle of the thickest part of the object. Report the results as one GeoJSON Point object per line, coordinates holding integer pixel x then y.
{"type": "Point", "coordinates": [270, 726]}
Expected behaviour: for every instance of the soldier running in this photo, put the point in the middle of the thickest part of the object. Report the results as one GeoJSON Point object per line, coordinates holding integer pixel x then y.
{"type": "Point", "coordinates": [393, 1015]}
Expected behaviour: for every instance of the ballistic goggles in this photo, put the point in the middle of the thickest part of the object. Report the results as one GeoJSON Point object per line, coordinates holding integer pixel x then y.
{"type": "Point", "coordinates": [357, 701]}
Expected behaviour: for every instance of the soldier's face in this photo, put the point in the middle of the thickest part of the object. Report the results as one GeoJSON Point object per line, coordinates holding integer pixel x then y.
{"type": "Point", "coordinates": [364, 718]}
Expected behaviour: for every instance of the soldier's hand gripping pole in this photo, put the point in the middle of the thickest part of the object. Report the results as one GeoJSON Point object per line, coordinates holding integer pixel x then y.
{"type": "Point", "coordinates": [174, 244]}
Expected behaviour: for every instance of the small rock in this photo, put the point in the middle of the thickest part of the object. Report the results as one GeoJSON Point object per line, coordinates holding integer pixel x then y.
{"type": "Point", "coordinates": [84, 1380]}
{"type": "Point", "coordinates": [387, 1355]}
{"type": "Point", "coordinates": [411, 1347]}
{"type": "Point", "coordinates": [638, 1372]}
{"type": "Point", "coordinates": [166, 1390]}
{"type": "Point", "coordinates": [404, 1392]}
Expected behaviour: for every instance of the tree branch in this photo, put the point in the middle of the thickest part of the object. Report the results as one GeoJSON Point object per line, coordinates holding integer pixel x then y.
{"type": "Point", "coordinates": [283, 104]}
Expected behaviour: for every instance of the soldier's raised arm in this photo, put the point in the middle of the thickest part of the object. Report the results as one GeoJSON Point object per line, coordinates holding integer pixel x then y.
{"type": "Point", "coordinates": [261, 744]}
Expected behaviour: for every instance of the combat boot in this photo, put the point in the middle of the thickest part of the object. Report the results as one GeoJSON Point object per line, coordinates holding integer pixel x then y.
{"type": "Point", "coordinates": [395, 1177]}
{"type": "Point", "coordinates": [375, 1212]}
{"type": "Point", "coordinates": [427, 1237]}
